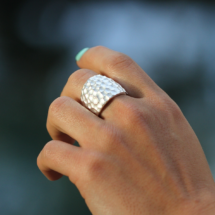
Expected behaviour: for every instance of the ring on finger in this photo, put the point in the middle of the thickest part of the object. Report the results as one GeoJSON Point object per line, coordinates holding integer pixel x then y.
{"type": "Point", "coordinates": [98, 91]}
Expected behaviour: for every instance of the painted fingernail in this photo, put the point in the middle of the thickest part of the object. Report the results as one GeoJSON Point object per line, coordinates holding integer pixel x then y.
{"type": "Point", "coordinates": [80, 54]}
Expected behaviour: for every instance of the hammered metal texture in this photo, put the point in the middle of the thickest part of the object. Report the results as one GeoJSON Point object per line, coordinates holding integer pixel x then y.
{"type": "Point", "coordinates": [97, 91]}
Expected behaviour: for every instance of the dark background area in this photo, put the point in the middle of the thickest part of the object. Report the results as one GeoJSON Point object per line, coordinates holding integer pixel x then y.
{"type": "Point", "coordinates": [173, 41]}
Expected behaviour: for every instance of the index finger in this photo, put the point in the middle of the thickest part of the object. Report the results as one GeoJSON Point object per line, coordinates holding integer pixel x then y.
{"type": "Point", "coordinates": [119, 67]}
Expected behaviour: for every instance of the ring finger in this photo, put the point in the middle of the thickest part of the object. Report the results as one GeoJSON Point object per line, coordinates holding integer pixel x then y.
{"type": "Point", "coordinates": [74, 87]}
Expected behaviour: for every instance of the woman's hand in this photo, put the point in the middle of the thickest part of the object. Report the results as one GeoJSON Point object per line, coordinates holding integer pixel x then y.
{"type": "Point", "coordinates": [140, 157]}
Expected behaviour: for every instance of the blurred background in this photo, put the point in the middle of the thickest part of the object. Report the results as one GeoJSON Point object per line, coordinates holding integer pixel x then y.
{"type": "Point", "coordinates": [173, 41]}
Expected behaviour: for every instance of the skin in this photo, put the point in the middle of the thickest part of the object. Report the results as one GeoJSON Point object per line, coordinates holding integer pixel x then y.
{"type": "Point", "coordinates": [140, 156]}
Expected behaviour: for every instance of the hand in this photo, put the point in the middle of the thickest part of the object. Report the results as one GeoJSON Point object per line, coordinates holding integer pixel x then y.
{"type": "Point", "coordinates": [140, 157]}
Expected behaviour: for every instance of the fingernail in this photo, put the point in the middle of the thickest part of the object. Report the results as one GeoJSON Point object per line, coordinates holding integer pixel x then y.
{"type": "Point", "coordinates": [80, 54]}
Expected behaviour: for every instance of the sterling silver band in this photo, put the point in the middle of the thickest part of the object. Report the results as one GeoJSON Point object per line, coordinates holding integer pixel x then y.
{"type": "Point", "coordinates": [98, 90]}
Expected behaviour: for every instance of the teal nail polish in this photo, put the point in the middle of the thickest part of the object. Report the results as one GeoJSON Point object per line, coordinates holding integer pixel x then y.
{"type": "Point", "coordinates": [80, 54]}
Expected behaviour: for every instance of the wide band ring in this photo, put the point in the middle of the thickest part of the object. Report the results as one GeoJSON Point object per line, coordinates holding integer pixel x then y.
{"type": "Point", "coordinates": [98, 90]}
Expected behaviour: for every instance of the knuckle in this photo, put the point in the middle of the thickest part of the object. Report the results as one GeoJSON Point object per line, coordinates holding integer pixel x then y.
{"type": "Point", "coordinates": [99, 48]}
{"type": "Point", "coordinates": [57, 105]}
{"type": "Point", "coordinates": [174, 109]}
{"type": "Point", "coordinates": [165, 104]}
{"type": "Point", "coordinates": [48, 125]}
{"type": "Point", "coordinates": [111, 138]}
{"type": "Point", "coordinates": [109, 135]}
{"type": "Point", "coordinates": [118, 61]}
{"type": "Point", "coordinates": [137, 117]}
{"type": "Point", "coordinates": [95, 167]}
{"type": "Point", "coordinates": [78, 76]}
{"type": "Point", "coordinates": [134, 115]}
{"type": "Point", "coordinates": [48, 151]}
{"type": "Point", "coordinates": [39, 161]}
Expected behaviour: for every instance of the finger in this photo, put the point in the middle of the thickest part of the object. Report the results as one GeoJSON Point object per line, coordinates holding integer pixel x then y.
{"type": "Point", "coordinates": [68, 117]}
{"type": "Point", "coordinates": [58, 158]}
{"type": "Point", "coordinates": [120, 68]}
{"type": "Point", "coordinates": [76, 82]}
{"type": "Point", "coordinates": [74, 87]}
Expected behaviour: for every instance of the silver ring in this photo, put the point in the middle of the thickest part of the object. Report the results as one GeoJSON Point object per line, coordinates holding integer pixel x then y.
{"type": "Point", "coordinates": [98, 90]}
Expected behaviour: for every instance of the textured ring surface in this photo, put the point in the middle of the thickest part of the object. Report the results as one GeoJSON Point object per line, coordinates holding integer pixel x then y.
{"type": "Point", "coordinates": [98, 90]}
